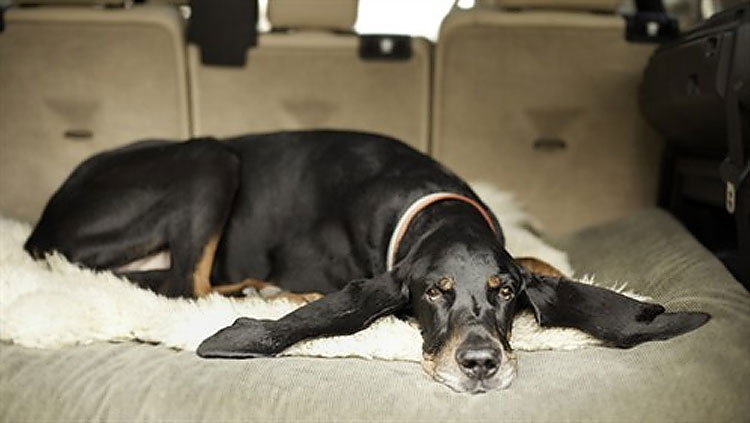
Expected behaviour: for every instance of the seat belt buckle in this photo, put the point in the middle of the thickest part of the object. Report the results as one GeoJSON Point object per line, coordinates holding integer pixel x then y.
{"type": "Point", "coordinates": [735, 178]}
{"type": "Point", "coordinates": [730, 198]}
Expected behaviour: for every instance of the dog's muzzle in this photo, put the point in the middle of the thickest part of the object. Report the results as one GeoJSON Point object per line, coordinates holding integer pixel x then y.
{"type": "Point", "coordinates": [479, 363]}
{"type": "Point", "coordinates": [475, 362]}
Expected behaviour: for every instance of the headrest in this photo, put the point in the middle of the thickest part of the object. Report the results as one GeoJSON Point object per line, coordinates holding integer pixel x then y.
{"type": "Point", "coordinates": [170, 2]}
{"type": "Point", "coordinates": [69, 2]}
{"type": "Point", "coordinates": [313, 14]}
{"type": "Point", "coordinates": [587, 5]}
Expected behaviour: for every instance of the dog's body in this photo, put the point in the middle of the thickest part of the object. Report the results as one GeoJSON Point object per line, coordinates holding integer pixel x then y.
{"type": "Point", "coordinates": [316, 212]}
{"type": "Point", "coordinates": [304, 210]}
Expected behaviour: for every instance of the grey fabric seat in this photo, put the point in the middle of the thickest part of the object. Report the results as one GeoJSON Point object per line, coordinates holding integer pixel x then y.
{"type": "Point", "coordinates": [701, 376]}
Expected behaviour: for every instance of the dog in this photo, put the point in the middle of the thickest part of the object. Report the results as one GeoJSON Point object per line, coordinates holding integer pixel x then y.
{"type": "Point", "coordinates": [366, 221]}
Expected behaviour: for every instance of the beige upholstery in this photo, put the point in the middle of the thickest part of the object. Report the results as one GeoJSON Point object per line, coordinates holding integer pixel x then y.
{"type": "Point", "coordinates": [698, 377]}
{"type": "Point", "coordinates": [507, 79]}
{"type": "Point", "coordinates": [313, 79]}
{"type": "Point", "coordinates": [593, 5]}
{"type": "Point", "coordinates": [90, 3]}
{"type": "Point", "coordinates": [114, 74]}
{"type": "Point", "coordinates": [313, 14]}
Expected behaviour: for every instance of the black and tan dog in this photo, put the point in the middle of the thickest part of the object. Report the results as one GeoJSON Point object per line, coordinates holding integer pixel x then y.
{"type": "Point", "coordinates": [375, 225]}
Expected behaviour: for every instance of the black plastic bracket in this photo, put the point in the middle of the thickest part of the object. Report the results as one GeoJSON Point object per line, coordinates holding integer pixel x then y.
{"type": "Point", "coordinates": [224, 30]}
{"type": "Point", "coordinates": [385, 47]}
{"type": "Point", "coordinates": [648, 27]}
{"type": "Point", "coordinates": [651, 23]}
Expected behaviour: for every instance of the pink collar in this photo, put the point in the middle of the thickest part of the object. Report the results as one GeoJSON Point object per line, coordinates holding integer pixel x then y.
{"type": "Point", "coordinates": [414, 209]}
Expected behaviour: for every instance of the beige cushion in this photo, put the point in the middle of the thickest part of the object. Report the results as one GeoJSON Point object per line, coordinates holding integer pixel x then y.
{"type": "Point", "coordinates": [505, 80]}
{"type": "Point", "coordinates": [313, 80]}
{"type": "Point", "coordinates": [313, 14]}
{"type": "Point", "coordinates": [592, 5]}
{"type": "Point", "coordinates": [68, 2]}
{"type": "Point", "coordinates": [117, 75]}
{"type": "Point", "coordinates": [701, 376]}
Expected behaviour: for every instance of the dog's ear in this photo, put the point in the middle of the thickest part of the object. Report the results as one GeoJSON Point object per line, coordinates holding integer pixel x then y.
{"type": "Point", "coordinates": [614, 318]}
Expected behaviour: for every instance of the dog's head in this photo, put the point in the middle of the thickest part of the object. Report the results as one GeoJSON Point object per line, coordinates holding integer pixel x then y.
{"type": "Point", "coordinates": [465, 298]}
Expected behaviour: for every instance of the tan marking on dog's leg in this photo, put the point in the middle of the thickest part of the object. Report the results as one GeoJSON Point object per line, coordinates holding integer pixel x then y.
{"type": "Point", "coordinates": [260, 285]}
{"type": "Point", "coordinates": [202, 272]}
{"type": "Point", "coordinates": [234, 288]}
{"type": "Point", "coordinates": [538, 267]}
{"type": "Point", "coordinates": [306, 297]}
{"type": "Point", "coordinates": [237, 288]}
{"type": "Point", "coordinates": [302, 298]}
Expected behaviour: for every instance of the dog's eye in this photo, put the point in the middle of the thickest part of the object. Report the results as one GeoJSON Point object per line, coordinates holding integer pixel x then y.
{"type": "Point", "coordinates": [433, 293]}
{"type": "Point", "coordinates": [505, 293]}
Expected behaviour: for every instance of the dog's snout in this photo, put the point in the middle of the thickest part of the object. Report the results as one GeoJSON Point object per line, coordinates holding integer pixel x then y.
{"type": "Point", "coordinates": [478, 363]}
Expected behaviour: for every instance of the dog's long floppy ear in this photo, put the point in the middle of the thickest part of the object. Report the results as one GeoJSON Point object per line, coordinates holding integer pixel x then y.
{"type": "Point", "coordinates": [614, 318]}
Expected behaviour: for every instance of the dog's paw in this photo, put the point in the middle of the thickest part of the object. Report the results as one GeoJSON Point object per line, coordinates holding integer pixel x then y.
{"type": "Point", "coordinates": [246, 338]}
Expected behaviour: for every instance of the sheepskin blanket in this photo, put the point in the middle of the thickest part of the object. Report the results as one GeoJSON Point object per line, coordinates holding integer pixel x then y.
{"type": "Point", "coordinates": [53, 303]}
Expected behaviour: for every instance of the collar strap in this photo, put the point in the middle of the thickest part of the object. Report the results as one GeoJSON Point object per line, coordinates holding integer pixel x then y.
{"type": "Point", "coordinates": [417, 206]}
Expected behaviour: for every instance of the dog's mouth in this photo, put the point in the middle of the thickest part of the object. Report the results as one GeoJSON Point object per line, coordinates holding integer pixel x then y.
{"type": "Point", "coordinates": [444, 368]}
{"type": "Point", "coordinates": [458, 382]}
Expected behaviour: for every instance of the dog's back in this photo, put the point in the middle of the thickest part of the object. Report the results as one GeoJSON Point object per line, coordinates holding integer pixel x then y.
{"type": "Point", "coordinates": [309, 210]}
{"type": "Point", "coordinates": [315, 208]}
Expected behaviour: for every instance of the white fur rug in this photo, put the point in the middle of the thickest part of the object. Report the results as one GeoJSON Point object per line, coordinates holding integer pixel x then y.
{"type": "Point", "coordinates": [52, 303]}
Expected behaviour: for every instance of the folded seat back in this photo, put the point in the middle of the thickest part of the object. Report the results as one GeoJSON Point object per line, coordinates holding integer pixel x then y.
{"type": "Point", "coordinates": [308, 73]}
{"type": "Point", "coordinates": [78, 78]}
{"type": "Point", "coordinates": [540, 98]}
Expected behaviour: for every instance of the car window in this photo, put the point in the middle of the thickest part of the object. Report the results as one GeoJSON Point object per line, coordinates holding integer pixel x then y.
{"type": "Point", "coordinates": [409, 17]}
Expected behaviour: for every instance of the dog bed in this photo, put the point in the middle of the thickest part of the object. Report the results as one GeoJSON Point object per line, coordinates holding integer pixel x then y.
{"type": "Point", "coordinates": [697, 377]}
{"type": "Point", "coordinates": [53, 303]}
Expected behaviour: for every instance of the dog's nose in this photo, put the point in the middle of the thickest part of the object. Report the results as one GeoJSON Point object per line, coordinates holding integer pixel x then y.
{"type": "Point", "coordinates": [478, 363]}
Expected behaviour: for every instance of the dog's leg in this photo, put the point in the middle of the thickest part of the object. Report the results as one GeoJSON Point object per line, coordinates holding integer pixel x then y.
{"type": "Point", "coordinates": [201, 275]}
{"type": "Point", "coordinates": [343, 312]}
{"type": "Point", "coordinates": [126, 204]}
{"type": "Point", "coordinates": [266, 290]}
